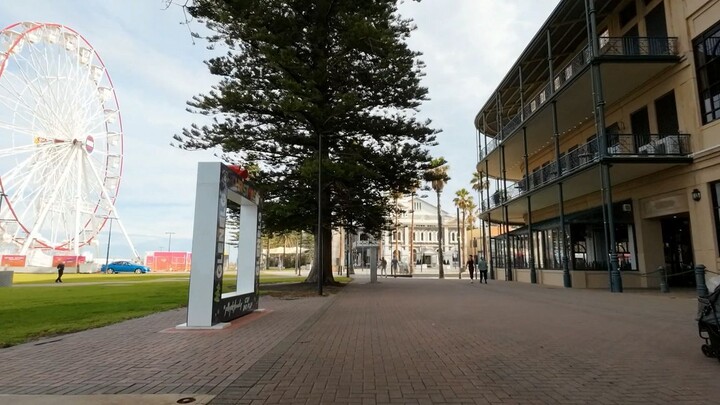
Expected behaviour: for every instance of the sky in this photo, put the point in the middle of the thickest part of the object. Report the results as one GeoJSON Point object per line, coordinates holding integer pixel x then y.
{"type": "Point", "coordinates": [467, 45]}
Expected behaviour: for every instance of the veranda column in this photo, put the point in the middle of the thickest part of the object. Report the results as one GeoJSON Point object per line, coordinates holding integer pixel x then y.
{"type": "Point", "coordinates": [531, 242]}
{"type": "Point", "coordinates": [599, 99]}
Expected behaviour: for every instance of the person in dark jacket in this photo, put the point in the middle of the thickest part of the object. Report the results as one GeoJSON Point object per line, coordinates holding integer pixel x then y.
{"type": "Point", "coordinates": [61, 270]}
{"type": "Point", "coordinates": [471, 268]}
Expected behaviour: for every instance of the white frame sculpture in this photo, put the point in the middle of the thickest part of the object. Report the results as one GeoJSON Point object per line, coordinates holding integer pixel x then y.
{"type": "Point", "coordinates": [207, 306]}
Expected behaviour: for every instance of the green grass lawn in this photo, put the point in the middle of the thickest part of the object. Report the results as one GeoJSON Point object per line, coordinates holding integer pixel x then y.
{"type": "Point", "coordinates": [32, 278]}
{"type": "Point", "coordinates": [30, 311]}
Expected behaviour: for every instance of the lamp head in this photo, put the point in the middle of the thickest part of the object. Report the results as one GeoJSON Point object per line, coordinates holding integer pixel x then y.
{"type": "Point", "coordinates": [696, 196]}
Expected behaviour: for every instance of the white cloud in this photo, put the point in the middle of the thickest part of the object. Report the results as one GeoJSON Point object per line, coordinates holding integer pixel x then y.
{"type": "Point", "coordinates": [468, 47]}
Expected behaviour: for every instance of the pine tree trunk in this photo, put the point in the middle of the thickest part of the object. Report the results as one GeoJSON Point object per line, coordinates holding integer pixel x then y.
{"type": "Point", "coordinates": [326, 248]}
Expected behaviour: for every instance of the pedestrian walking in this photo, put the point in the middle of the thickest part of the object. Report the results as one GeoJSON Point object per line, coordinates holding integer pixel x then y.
{"type": "Point", "coordinates": [482, 270]}
{"type": "Point", "coordinates": [61, 270]}
{"type": "Point", "coordinates": [383, 266]}
{"type": "Point", "coordinates": [471, 268]}
{"type": "Point", "coordinates": [393, 265]}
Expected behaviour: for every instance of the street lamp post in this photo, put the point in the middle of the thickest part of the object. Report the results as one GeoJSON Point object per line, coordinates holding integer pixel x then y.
{"type": "Point", "coordinates": [459, 247]}
{"type": "Point", "coordinates": [412, 232]}
{"type": "Point", "coordinates": [319, 241]}
{"type": "Point", "coordinates": [169, 234]}
{"type": "Point", "coordinates": [396, 253]}
{"type": "Point", "coordinates": [107, 253]}
{"type": "Point", "coordinates": [411, 267]}
{"type": "Point", "coordinates": [438, 186]}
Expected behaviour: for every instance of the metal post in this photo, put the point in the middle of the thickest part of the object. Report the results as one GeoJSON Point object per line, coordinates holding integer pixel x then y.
{"type": "Point", "coordinates": [488, 258]}
{"type": "Point", "coordinates": [531, 244]}
{"type": "Point", "coordinates": [396, 253]}
{"type": "Point", "coordinates": [299, 268]}
{"type": "Point", "coordinates": [567, 279]}
{"type": "Point", "coordinates": [701, 287]}
{"type": "Point", "coordinates": [460, 256]}
{"type": "Point", "coordinates": [441, 272]}
{"type": "Point", "coordinates": [663, 280]}
{"type": "Point", "coordinates": [320, 270]}
{"type": "Point", "coordinates": [107, 254]}
{"type": "Point", "coordinates": [615, 278]}
{"type": "Point", "coordinates": [551, 70]}
{"type": "Point", "coordinates": [169, 234]}
{"type": "Point", "coordinates": [506, 217]}
{"type": "Point", "coordinates": [373, 251]}
{"type": "Point", "coordinates": [411, 267]}
{"type": "Point", "coordinates": [508, 266]}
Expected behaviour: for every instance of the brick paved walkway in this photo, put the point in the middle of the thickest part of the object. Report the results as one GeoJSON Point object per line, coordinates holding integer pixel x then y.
{"type": "Point", "coordinates": [403, 341]}
{"type": "Point", "coordinates": [141, 357]}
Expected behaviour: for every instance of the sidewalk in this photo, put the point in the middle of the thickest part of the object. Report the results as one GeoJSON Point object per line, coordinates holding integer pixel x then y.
{"type": "Point", "coordinates": [398, 341]}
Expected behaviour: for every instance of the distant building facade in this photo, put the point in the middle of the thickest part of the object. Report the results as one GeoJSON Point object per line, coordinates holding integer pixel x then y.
{"type": "Point", "coordinates": [415, 237]}
{"type": "Point", "coordinates": [159, 261]}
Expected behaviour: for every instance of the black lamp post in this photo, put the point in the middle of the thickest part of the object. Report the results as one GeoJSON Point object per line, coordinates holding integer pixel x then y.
{"type": "Point", "coordinates": [169, 234]}
{"type": "Point", "coordinates": [319, 253]}
{"type": "Point", "coordinates": [107, 253]}
{"type": "Point", "coordinates": [438, 186]}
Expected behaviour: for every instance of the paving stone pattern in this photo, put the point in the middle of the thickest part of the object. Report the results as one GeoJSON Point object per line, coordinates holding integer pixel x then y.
{"type": "Point", "coordinates": [452, 342]}
{"type": "Point", "coordinates": [401, 341]}
{"type": "Point", "coordinates": [141, 356]}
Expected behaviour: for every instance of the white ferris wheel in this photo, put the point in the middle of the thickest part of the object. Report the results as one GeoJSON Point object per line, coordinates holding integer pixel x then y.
{"type": "Point", "coordinates": [61, 142]}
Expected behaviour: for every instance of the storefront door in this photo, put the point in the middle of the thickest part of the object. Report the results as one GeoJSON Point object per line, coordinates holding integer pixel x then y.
{"type": "Point", "coordinates": [678, 250]}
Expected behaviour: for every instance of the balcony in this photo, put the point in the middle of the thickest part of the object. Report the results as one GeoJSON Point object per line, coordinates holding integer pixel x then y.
{"type": "Point", "coordinates": [613, 49]}
{"type": "Point", "coordinates": [638, 46]}
{"type": "Point", "coordinates": [625, 148]}
{"type": "Point", "coordinates": [649, 145]}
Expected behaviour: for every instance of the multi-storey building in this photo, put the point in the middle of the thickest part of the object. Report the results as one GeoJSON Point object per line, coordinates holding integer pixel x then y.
{"type": "Point", "coordinates": [415, 229]}
{"type": "Point", "coordinates": [602, 147]}
{"type": "Point", "coordinates": [414, 241]}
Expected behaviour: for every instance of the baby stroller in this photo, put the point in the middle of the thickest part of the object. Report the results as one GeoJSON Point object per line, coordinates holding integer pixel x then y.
{"type": "Point", "coordinates": [709, 323]}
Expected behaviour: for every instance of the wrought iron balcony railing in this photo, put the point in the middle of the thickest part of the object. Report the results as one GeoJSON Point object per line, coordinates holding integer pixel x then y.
{"type": "Point", "coordinates": [638, 46]}
{"type": "Point", "coordinates": [640, 146]}
{"type": "Point", "coordinates": [613, 46]}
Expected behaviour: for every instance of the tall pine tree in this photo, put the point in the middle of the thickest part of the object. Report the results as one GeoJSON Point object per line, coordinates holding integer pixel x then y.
{"type": "Point", "coordinates": [302, 76]}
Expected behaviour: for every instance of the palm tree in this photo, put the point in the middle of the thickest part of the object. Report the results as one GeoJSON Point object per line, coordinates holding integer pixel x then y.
{"type": "Point", "coordinates": [471, 221]}
{"type": "Point", "coordinates": [436, 175]}
{"type": "Point", "coordinates": [462, 200]}
{"type": "Point", "coordinates": [471, 218]}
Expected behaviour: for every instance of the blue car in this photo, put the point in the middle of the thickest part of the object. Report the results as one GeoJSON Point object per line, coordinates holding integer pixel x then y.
{"type": "Point", "coordinates": [124, 267]}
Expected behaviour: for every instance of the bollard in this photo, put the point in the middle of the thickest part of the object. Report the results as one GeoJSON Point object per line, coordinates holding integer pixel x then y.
{"type": "Point", "coordinates": [6, 278]}
{"type": "Point", "coordinates": [663, 280]}
{"type": "Point", "coordinates": [700, 285]}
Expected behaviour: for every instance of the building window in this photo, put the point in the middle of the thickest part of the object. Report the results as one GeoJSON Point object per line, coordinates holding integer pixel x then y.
{"type": "Point", "coordinates": [715, 187]}
{"type": "Point", "coordinates": [707, 64]}
{"type": "Point", "coordinates": [666, 115]}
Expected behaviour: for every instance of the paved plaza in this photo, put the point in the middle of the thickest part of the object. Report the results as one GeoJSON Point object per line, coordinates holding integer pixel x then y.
{"type": "Point", "coordinates": [400, 341]}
